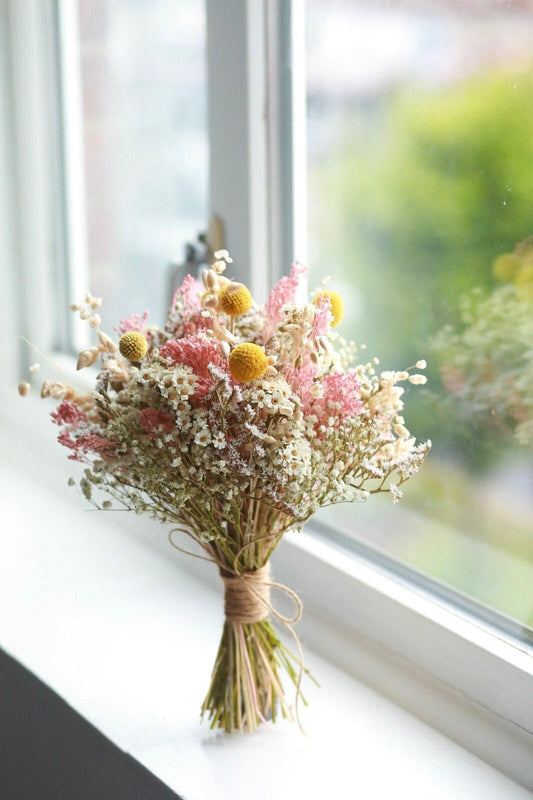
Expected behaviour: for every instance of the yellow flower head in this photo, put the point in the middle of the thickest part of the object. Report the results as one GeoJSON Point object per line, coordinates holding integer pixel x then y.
{"type": "Point", "coordinates": [133, 345]}
{"type": "Point", "coordinates": [506, 267]}
{"type": "Point", "coordinates": [247, 362]}
{"type": "Point", "coordinates": [336, 305]}
{"type": "Point", "coordinates": [234, 299]}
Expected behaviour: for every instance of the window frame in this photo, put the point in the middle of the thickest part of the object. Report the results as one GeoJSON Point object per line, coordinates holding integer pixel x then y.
{"type": "Point", "coordinates": [462, 676]}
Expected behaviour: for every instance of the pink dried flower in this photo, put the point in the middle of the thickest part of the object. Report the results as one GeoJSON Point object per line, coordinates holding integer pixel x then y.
{"type": "Point", "coordinates": [340, 397]}
{"type": "Point", "coordinates": [98, 444]}
{"type": "Point", "coordinates": [151, 419]}
{"type": "Point", "coordinates": [198, 354]}
{"type": "Point", "coordinates": [301, 379]}
{"type": "Point", "coordinates": [343, 388]}
{"type": "Point", "coordinates": [68, 413]}
{"type": "Point", "coordinates": [189, 293]}
{"type": "Point", "coordinates": [284, 292]}
{"type": "Point", "coordinates": [133, 323]}
{"type": "Point", "coordinates": [65, 438]}
{"type": "Point", "coordinates": [195, 323]}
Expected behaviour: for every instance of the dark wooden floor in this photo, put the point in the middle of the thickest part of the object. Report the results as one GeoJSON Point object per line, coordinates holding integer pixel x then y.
{"type": "Point", "coordinates": [49, 752]}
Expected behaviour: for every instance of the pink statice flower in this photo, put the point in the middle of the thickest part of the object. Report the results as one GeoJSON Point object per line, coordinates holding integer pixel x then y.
{"type": "Point", "coordinates": [185, 316]}
{"type": "Point", "coordinates": [65, 438]}
{"type": "Point", "coordinates": [68, 413]}
{"type": "Point", "coordinates": [189, 295]}
{"type": "Point", "coordinates": [86, 443]}
{"type": "Point", "coordinates": [196, 322]}
{"type": "Point", "coordinates": [134, 322]}
{"type": "Point", "coordinates": [284, 292]}
{"type": "Point", "coordinates": [300, 379]}
{"type": "Point", "coordinates": [94, 443]}
{"type": "Point", "coordinates": [199, 354]}
{"type": "Point", "coordinates": [152, 420]}
{"type": "Point", "coordinates": [340, 398]}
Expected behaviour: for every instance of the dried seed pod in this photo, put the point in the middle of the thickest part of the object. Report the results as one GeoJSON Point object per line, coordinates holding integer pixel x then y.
{"type": "Point", "coordinates": [87, 357]}
{"type": "Point", "coordinates": [211, 280]}
{"type": "Point", "coordinates": [107, 343]}
{"type": "Point", "coordinates": [210, 301]}
{"type": "Point", "coordinates": [54, 389]}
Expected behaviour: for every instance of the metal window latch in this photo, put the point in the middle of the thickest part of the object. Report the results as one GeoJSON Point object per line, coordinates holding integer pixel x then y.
{"type": "Point", "coordinates": [197, 256]}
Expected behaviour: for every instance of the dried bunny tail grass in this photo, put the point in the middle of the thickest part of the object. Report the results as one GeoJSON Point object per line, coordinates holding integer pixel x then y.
{"type": "Point", "coordinates": [62, 391]}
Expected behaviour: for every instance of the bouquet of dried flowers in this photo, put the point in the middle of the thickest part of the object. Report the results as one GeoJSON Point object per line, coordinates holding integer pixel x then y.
{"type": "Point", "coordinates": [234, 423]}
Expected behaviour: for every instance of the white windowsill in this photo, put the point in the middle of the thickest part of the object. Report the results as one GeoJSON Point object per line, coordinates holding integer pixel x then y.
{"type": "Point", "coordinates": [117, 625]}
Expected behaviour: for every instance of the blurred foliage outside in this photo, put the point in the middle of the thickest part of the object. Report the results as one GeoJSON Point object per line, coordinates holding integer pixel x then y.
{"type": "Point", "coordinates": [422, 197]}
{"type": "Point", "coordinates": [409, 212]}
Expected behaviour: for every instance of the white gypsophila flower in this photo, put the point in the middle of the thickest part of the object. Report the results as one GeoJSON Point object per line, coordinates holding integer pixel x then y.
{"type": "Point", "coordinates": [396, 492]}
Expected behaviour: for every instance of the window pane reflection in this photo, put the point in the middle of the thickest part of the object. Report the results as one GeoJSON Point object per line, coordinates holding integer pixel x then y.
{"type": "Point", "coordinates": [420, 170]}
{"type": "Point", "coordinates": [144, 123]}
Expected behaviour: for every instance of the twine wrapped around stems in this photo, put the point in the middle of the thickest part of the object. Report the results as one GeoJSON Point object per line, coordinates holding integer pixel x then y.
{"type": "Point", "coordinates": [247, 596]}
{"type": "Point", "coordinates": [246, 668]}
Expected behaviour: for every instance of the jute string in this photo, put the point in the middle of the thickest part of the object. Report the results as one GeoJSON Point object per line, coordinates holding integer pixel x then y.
{"type": "Point", "coordinates": [247, 596]}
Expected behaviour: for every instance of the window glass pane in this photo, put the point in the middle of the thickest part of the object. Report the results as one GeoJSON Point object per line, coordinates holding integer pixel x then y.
{"type": "Point", "coordinates": [144, 125]}
{"type": "Point", "coordinates": [420, 184]}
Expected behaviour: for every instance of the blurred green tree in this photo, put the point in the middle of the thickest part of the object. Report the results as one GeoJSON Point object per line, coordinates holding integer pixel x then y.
{"type": "Point", "coordinates": [426, 189]}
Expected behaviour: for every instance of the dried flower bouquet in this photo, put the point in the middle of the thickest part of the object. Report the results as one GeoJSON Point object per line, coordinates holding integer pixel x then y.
{"type": "Point", "coordinates": [234, 423]}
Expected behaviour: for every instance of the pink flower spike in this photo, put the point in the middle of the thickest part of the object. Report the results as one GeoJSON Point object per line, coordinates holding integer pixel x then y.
{"type": "Point", "coordinates": [198, 354]}
{"type": "Point", "coordinates": [133, 323]}
{"type": "Point", "coordinates": [284, 292]}
{"type": "Point", "coordinates": [342, 388]}
{"type": "Point", "coordinates": [68, 413]}
{"type": "Point", "coordinates": [189, 291]}
{"type": "Point", "coordinates": [151, 419]}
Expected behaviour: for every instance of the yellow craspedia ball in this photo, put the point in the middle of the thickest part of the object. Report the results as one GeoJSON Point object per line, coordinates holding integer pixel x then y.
{"type": "Point", "coordinates": [336, 305]}
{"type": "Point", "coordinates": [506, 267]}
{"type": "Point", "coordinates": [247, 362]}
{"type": "Point", "coordinates": [234, 299]}
{"type": "Point", "coordinates": [133, 345]}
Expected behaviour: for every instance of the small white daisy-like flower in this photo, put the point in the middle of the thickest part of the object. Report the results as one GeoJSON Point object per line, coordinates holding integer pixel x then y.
{"type": "Point", "coordinates": [219, 441]}
{"type": "Point", "coordinates": [203, 437]}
